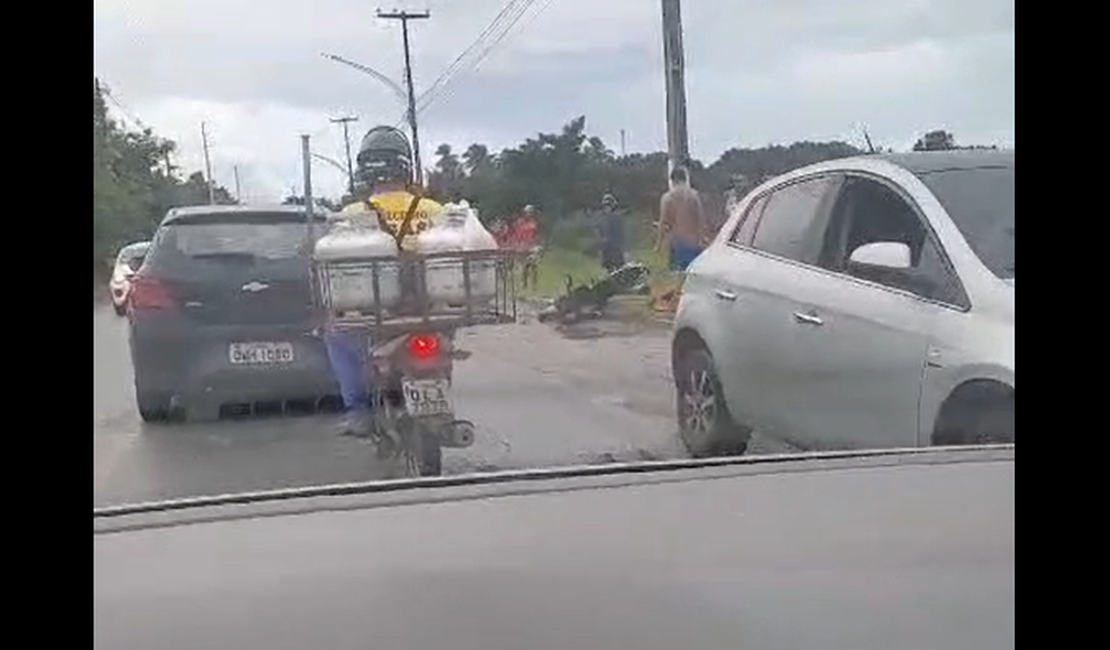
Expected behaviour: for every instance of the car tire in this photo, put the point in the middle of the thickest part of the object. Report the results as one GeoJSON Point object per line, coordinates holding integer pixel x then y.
{"type": "Point", "coordinates": [153, 406]}
{"type": "Point", "coordinates": [121, 310]}
{"type": "Point", "coordinates": [704, 423]}
{"type": "Point", "coordinates": [977, 413]}
{"type": "Point", "coordinates": [993, 424]}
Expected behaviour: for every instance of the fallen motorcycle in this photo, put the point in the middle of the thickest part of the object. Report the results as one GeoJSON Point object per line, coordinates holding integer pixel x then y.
{"type": "Point", "coordinates": [585, 301]}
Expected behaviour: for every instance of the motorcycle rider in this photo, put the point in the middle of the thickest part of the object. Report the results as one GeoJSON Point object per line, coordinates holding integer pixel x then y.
{"type": "Point", "coordinates": [384, 191]}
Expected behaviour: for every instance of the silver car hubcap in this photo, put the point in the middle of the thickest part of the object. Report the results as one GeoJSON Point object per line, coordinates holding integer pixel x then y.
{"type": "Point", "coordinates": [700, 405]}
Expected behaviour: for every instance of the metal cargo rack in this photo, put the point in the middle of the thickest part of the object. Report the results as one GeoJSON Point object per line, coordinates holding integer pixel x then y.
{"type": "Point", "coordinates": [416, 311]}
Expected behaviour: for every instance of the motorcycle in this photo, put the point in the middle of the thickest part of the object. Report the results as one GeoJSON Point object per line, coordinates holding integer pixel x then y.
{"type": "Point", "coordinates": [412, 346]}
{"type": "Point", "coordinates": [414, 414]}
{"type": "Point", "coordinates": [589, 300]}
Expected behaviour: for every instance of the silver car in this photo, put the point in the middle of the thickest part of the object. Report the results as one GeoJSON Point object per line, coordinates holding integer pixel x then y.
{"type": "Point", "coordinates": [858, 303]}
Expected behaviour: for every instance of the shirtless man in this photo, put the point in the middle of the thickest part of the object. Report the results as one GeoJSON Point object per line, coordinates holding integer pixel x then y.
{"type": "Point", "coordinates": [683, 228]}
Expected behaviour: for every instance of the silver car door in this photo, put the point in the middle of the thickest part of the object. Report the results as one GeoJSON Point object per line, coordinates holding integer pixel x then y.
{"type": "Point", "coordinates": [859, 337]}
{"type": "Point", "coordinates": [763, 277]}
{"type": "Point", "coordinates": [728, 270]}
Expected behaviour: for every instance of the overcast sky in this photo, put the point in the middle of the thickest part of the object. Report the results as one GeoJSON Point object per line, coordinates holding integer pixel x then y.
{"type": "Point", "coordinates": [758, 72]}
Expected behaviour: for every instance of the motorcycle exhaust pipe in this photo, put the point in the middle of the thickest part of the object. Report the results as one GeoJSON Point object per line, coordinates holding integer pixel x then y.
{"type": "Point", "coordinates": [457, 435]}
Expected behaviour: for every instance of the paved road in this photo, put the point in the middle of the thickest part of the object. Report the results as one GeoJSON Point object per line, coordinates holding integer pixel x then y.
{"type": "Point", "coordinates": [538, 397]}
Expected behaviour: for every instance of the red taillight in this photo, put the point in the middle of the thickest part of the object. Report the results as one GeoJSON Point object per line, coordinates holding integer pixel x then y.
{"type": "Point", "coordinates": [423, 346]}
{"type": "Point", "coordinates": [149, 293]}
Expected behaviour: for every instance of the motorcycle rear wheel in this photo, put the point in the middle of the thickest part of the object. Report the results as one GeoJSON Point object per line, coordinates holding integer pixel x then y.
{"type": "Point", "coordinates": [421, 454]}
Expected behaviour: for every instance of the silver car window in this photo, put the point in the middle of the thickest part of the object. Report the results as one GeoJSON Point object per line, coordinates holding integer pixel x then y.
{"type": "Point", "coordinates": [786, 225]}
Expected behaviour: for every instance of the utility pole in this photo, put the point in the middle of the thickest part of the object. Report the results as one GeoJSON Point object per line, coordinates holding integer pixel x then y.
{"type": "Point", "coordinates": [345, 121]}
{"type": "Point", "coordinates": [405, 17]}
{"type": "Point", "coordinates": [623, 150]}
{"type": "Point", "coordinates": [306, 163]}
{"type": "Point", "coordinates": [238, 188]}
{"type": "Point", "coordinates": [207, 165]}
{"type": "Point", "coordinates": [678, 143]}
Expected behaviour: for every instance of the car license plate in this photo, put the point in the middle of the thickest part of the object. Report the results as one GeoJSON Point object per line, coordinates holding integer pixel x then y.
{"type": "Point", "coordinates": [427, 397]}
{"type": "Point", "coordinates": [250, 354]}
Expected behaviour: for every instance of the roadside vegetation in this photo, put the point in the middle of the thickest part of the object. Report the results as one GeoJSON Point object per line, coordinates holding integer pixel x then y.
{"type": "Point", "coordinates": [564, 174]}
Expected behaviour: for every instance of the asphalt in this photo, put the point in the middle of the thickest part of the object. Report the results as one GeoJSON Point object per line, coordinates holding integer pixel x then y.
{"type": "Point", "coordinates": [539, 397]}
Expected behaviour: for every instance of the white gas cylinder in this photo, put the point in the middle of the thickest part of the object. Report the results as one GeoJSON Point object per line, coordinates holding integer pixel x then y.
{"type": "Point", "coordinates": [483, 274]}
{"type": "Point", "coordinates": [451, 231]}
{"type": "Point", "coordinates": [345, 252]}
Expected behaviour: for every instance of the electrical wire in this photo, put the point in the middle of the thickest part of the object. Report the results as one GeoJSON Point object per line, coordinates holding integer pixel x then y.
{"type": "Point", "coordinates": [518, 9]}
{"type": "Point", "coordinates": [484, 54]}
{"type": "Point", "coordinates": [450, 70]}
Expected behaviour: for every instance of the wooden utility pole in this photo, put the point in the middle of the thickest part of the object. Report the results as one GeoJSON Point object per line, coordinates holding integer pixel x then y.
{"type": "Point", "coordinates": [207, 165]}
{"type": "Point", "coordinates": [306, 165]}
{"type": "Point", "coordinates": [405, 17]}
{"type": "Point", "coordinates": [624, 152]}
{"type": "Point", "coordinates": [238, 187]}
{"type": "Point", "coordinates": [678, 143]}
{"type": "Point", "coordinates": [345, 121]}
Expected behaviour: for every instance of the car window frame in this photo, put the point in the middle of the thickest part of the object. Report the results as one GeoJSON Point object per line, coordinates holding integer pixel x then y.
{"type": "Point", "coordinates": [963, 301]}
{"type": "Point", "coordinates": [836, 179]}
{"type": "Point", "coordinates": [758, 201]}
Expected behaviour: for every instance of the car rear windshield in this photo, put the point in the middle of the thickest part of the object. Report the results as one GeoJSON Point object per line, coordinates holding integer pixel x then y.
{"type": "Point", "coordinates": [981, 203]}
{"type": "Point", "coordinates": [251, 237]}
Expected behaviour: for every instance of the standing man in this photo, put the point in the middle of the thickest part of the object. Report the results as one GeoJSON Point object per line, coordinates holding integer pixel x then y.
{"type": "Point", "coordinates": [611, 230]}
{"type": "Point", "coordinates": [683, 227]}
{"type": "Point", "coordinates": [383, 191]}
{"type": "Point", "coordinates": [525, 231]}
{"type": "Point", "coordinates": [683, 231]}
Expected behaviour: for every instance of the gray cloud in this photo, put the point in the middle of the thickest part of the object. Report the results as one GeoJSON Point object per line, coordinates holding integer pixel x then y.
{"type": "Point", "coordinates": [759, 71]}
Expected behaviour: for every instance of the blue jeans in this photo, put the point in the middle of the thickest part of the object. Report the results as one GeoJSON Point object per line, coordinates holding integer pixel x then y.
{"type": "Point", "coordinates": [682, 255]}
{"type": "Point", "coordinates": [348, 353]}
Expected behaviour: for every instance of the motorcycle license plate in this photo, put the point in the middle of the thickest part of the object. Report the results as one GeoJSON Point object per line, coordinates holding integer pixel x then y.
{"type": "Point", "coordinates": [427, 397]}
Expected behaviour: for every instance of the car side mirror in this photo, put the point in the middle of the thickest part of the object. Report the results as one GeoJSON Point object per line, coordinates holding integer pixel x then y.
{"type": "Point", "coordinates": [882, 254]}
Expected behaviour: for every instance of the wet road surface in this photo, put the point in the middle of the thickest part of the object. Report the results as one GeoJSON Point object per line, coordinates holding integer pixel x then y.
{"type": "Point", "coordinates": [537, 397]}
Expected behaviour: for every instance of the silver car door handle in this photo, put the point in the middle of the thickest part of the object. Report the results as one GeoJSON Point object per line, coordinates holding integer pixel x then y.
{"type": "Point", "coordinates": [808, 319]}
{"type": "Point", "coordinates": [725, 295]}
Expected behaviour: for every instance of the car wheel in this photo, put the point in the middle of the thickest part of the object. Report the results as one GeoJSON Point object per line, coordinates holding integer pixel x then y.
{"type": "Point", "coordinates": [121, 309]}
{"type": "Point", "coordinates": [977, 413]}
{"type": "Point", "coordinates": [994, 424]}
{"type": "Point", "coordinates": [153, 406]}
{"type": "Point", "coordinates": [704, 422]}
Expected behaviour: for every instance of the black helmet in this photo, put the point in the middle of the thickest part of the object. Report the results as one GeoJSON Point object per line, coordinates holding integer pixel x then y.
{"type": "Point", "coordinates": [383, 157]}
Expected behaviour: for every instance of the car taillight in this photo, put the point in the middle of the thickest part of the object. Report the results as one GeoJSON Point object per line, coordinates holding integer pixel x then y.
{"type": "Point", "coordinates": [149, 293]}
{"type": "Point", "coordinates": [423, 346]}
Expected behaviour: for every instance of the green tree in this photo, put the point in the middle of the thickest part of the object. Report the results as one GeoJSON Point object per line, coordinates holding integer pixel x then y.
{"type": "Point", "coordinates": [134, 183]}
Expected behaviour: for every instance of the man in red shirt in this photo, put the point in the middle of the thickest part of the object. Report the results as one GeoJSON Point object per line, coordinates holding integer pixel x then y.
{"type": "Point", "coordinates": [524, 235]}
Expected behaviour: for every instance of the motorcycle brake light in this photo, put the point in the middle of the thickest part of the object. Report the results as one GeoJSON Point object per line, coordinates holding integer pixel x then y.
{"type": "Point", "coordinates": [423, 346]}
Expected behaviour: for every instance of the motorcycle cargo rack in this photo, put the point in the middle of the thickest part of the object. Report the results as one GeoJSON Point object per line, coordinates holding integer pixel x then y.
{"type": "Point", "coordinates": [416, 311]}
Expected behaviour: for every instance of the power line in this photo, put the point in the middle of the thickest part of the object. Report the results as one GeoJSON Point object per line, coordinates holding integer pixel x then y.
{"type": "Point", "coordinates": [508, 14]}
{"type": "Point", "coordinates": [450, 70]}
{"type": "Point", "coordinates": [484, 54]}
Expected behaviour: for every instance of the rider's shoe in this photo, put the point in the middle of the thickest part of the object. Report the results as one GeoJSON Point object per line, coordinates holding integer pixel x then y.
{"type": "Point", "coordinates": [356, 424]}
